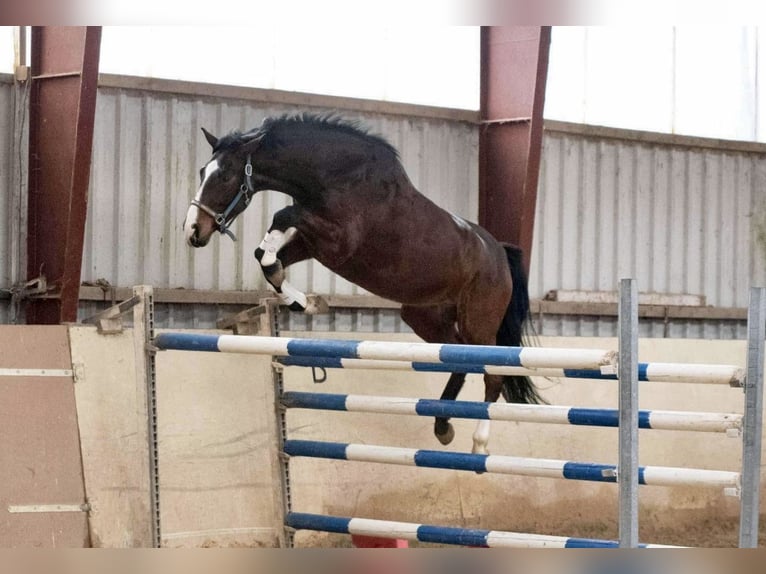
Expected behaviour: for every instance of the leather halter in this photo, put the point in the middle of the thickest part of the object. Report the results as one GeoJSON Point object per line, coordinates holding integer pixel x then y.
{"type": "Point", "coordinates": [245, 194]}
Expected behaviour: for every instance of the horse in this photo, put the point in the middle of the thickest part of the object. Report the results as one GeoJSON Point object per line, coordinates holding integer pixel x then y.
{"type": "Point", "coordinates": [356, 211]}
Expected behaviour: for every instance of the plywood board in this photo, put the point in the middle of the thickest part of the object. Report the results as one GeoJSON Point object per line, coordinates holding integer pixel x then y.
{"type": "Point", "coordinates": [40, 446]}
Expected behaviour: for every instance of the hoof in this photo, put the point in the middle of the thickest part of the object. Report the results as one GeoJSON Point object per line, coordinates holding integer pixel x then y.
{"type": "Point", "coordinates": [316, 305]}
{"type": "Point", "coordinates": [446, 437]}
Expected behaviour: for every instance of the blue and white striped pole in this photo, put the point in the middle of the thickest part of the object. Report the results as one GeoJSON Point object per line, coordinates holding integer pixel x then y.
{"type": "Point", "coordinates": [539, 467]}
{"type": "Point", "coordinates": [663, 420]}
{"type": "Point", "coordinates": [442, 534]}
{"type": "Point", "coordinates": [529, 357]}
{"type": "Point", "coordinates": [731, 375]}
{"type": "Point", "coordinates": [429, 357]}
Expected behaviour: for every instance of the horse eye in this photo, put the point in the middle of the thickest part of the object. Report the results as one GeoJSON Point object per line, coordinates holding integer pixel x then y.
{"type": "Point", "coordinates": [201, 173]}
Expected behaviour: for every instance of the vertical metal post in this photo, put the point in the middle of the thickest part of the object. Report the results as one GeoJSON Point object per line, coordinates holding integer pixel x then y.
{"type": "Point", "coordinates": [514, 69]}
{"type": "Point", "coordinates": [753, 420]}
{"type": "Point", "coordinates": [16, 225]}
{"type": "Point", "coordinates": [146, 390]}
{"type": "Point", "coordinates": [627, 476]}
{"type": "Point", "coordinates": [64, 81]}
{"type": "Point", "coordinates": [280, 464]}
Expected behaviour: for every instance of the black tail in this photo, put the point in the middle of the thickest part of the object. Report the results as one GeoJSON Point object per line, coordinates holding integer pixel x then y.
{"type": "Point", "coordinates": [517, 389]}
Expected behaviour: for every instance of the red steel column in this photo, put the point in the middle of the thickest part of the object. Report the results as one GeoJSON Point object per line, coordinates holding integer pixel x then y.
{"type": "Point", "coordinates": [514, 68]}
{"type": "Point", "coordinates": [62, 110]}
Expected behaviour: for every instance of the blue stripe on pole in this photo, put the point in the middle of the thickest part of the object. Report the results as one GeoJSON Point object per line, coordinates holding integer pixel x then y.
{"type": "Point", "coordinates": [450, 535]}
{"type": "Point", "coordinates": [595, 472]}
{"type": "Point", "coordinates": [474, 354]}
{"type": "Point", "coordinates": [590, 543]}
{"type": "Point", "coordinates": [596, 374]}
{"type": "Point", "coordinates": [324, 401]}
{"type": "Point", "coordinates": [447, 368]}
{"type": "Point", "coordinates": [323, 348]}
{"type": "Point", "coordinates": [186, 342]}
{"type": "Point", "coordinates": [459, 409]}
{"type": "Point", "coordinates": [604, 418]}
{"type": "Point", "coordinates": [589, 471]}
{"type": "Point", "coordinates": [587, 374]}
{"type": "Point", "coordinates": [324, 362]}
{"type": "Point", "coordinates": [451, 460]}
{"type": "Point", "coordinates": [593, 417]}
{"type": "Point", "coordinates": [315, 449]}
{"type": "Point", "coordinates": [304, 521]}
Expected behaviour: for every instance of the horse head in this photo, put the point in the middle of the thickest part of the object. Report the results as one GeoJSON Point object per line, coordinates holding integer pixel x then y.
{"type": "Point", "coordinates": [227, 185]}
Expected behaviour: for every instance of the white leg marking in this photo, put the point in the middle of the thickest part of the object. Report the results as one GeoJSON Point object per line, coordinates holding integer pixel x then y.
{"type": "Point", "coordinates": [481, 437]}
{"type": "Point", "coordinates": [290, 294]}
{"type": "Point", "coordinates": [273, 242]}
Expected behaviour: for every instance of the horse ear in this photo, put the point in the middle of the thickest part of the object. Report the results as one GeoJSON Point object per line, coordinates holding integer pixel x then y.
{"type": "Point", "coordinates": [251, 141]}
{"type": "Point", "coordinates": [211, 139]}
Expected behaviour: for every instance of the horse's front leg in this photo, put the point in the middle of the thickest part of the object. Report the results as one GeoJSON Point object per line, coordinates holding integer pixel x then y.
{"type": "Point", "coordinates": [281, 247]}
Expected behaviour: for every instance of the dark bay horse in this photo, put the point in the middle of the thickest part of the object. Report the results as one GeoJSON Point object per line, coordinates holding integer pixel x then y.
{"type": "Point", "coordinates": [356, 212]}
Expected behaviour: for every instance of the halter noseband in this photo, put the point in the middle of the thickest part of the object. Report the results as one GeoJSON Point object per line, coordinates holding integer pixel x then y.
{"type": "Point", "coordinates": [245, 193]}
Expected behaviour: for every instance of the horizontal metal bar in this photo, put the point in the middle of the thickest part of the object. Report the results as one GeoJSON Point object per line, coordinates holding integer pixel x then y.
{"type": "Point", "coordinates": [9, 372]}
{"type": "Point", "coordinates": [504, 121]}
{"type": "Point", "coordinates": [43, 508]}
{"type": "Point", "coordinates": [372, 302]}
{"type": "Point", "coordinates": [652, 138]}
{"type": "Point", "coordinates": [680, 312]}
{"type": "Point", "coordinates": [75, 74]}
{"type": "Point", "coordinates": [285, 97]}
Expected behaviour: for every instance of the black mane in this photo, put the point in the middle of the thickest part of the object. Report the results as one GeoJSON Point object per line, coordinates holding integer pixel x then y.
{"type": "Point", "coordinates": [329, 121]}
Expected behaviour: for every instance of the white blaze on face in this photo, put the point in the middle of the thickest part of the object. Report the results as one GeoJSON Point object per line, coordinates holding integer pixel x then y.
{"type": "Point", "coordinates": [193, 213]}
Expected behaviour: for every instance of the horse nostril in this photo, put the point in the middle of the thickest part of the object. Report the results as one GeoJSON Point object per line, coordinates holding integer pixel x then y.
{"type": "Point", "coordinates": [195, 230]}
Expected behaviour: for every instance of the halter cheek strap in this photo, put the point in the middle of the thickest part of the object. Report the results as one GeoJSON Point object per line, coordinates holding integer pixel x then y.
{"type": "Point", "coordinates": [245, 194]}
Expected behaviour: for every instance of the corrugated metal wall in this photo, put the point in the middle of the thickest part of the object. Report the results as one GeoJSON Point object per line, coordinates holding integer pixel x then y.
{"type": "Point", "coordinates": [681, 218]}
{"type": "Point", "coordinates": [682, 215]}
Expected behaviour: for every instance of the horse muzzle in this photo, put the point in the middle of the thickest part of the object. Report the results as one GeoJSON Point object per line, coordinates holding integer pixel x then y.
{"type": "Point", "coordinates": [194, 239]}
{"type": "Point", "coordinates": [197, 233]}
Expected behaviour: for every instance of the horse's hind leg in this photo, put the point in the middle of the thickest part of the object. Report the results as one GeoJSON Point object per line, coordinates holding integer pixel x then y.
{"type": "Point", "coordinates": [480, 313]}
{"type": "Point", "coordinates": [281, 247]}
{"type": "Point", "coordinates": [437, 325]}
{"type": "Point", "coordinates": [493, 385]}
